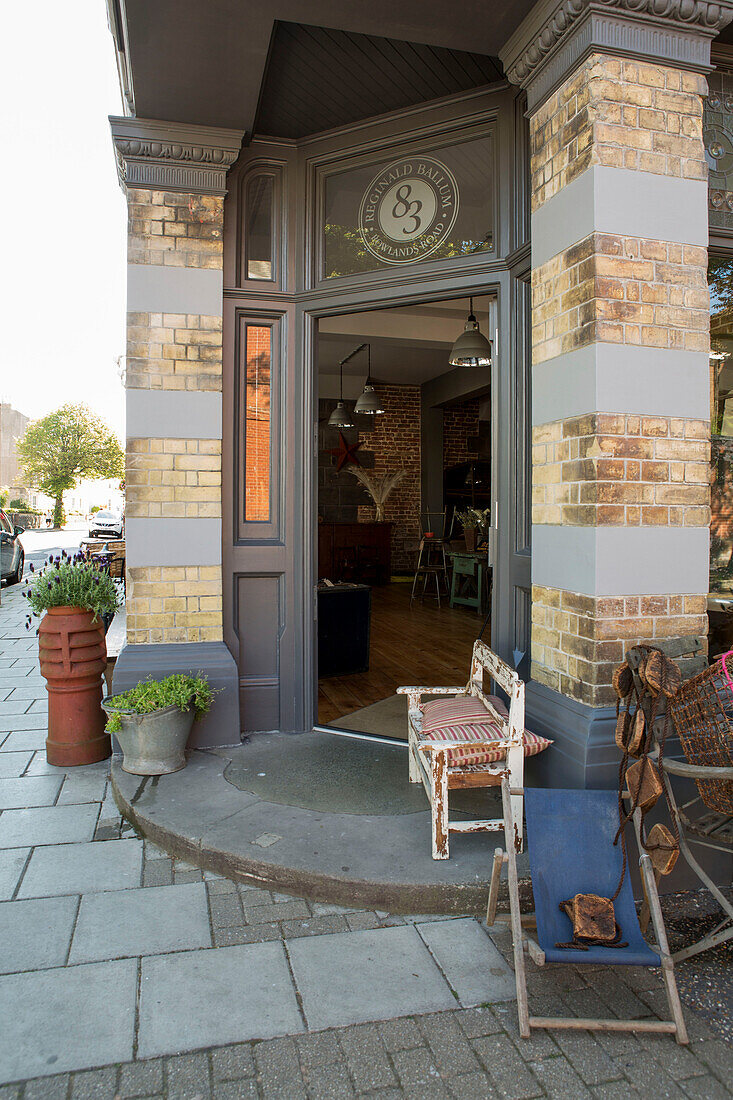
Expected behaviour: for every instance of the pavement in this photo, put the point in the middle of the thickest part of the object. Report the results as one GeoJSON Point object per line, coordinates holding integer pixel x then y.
{"type": "Point", "coordinates": [126, 973]}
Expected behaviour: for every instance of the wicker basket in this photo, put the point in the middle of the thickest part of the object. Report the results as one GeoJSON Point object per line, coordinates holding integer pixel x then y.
{"type": "Point", "coordinates": [702, 713]}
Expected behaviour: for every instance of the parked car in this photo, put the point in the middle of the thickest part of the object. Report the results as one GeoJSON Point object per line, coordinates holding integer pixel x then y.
{"type": "Point", "coordinates": [106, 525]}
{"type": "Point", "coordinates": [12, 557]}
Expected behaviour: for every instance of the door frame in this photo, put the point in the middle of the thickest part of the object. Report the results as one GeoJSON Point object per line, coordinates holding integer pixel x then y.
{"type": "Point", "coordinates": [283, 680]}
{"type": "Point", "coordinates": [496, 284]}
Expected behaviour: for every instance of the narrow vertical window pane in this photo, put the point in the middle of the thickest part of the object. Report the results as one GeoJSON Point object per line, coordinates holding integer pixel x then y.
{"type": "Point", "coordinates": [257, 425]}
{"type": "Point", "coordinates": [720, 278]}
{"type": "Point", "coordinates": [258, 212]}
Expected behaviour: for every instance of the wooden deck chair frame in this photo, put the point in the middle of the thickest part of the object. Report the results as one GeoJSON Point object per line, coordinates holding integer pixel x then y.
{"type": "Point", "coordinates": [709, 830]}
{"type": "Point", "coordinates": [523, 942]}
{"type": "Point", "coordinates": [428, 761]}
{"type": "Point", "coordinates": [696, 832]}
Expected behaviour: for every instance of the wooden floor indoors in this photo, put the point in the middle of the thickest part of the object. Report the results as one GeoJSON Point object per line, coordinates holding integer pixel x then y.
{"type": "Point", "coordinates": [418, 645]}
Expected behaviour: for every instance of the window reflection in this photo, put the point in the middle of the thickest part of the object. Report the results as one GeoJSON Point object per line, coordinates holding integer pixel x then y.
{"type": "Point", "coordinates": [720, 278]}
{"type": "Point", "coordinates": [257, 424]}
{"type": "Point", "coordinates": [258, 214]}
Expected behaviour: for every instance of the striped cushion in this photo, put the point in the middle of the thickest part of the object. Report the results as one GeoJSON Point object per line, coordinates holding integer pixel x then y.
{"type": "Point", "coordinates": [461, 710]}
{"type": "Point", "coordinates": [464, 736]}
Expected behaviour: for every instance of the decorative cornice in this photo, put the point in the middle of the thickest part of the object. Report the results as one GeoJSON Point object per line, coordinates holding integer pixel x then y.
{"type": "Point", "coordinates": [557, 36]}
{"type": "Point", "coordinates": [171, 156]}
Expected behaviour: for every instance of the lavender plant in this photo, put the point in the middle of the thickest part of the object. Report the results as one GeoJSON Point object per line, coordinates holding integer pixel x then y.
{"type": "Point", "coordinates": [71, 581]}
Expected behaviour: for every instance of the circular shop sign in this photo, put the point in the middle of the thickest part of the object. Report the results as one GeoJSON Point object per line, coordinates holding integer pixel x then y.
{"type": "Point", "coordinates": [408, 210]}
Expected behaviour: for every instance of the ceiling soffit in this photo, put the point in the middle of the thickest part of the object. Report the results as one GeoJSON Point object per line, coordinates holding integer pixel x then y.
{"type": "Point", "coordinates": [318, 79]}
{"type": "Point", "coordinates": [184, 61]}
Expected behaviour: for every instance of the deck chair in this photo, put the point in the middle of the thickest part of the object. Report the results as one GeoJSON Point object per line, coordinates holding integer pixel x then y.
{"type": "Point", "coordinates": [711, 829]}
{"type": "Point", "coordinates": [706, 820]}
{"type": "Point", "coordinates": [430, 760]}
{"type": "Point", "coordinates": [571, 851]}
{"type": "Point", "coordinates": [702, 718]}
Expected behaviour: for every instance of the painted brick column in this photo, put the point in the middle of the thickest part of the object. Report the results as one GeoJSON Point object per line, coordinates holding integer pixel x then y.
{"type": "Point", "coordinates": [174, 178]}
{"type": "Point", "coordinates": [620, 342]}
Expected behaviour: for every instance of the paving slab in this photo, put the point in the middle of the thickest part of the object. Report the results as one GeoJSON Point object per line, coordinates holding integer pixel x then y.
{"type": "Point", "coordinates": [30, 690]}
{"type": "Point", "coordinates": [353, 977]}
{"type": "Point", "coordinates": [23, 722]}
{"type": "Point", "coordinates": [39, 765]}
{"type": "Point", "coordinates": [67, 1019]}
{"type": "Point", "coordinates": [473, 965]}
{"type": "Point", "coordinates": [13, 707]}
{"type": "Point", "coordinates": [83, 787]}
{"type": "Point", "coordinates": [12, 862]}
{"type": "Point", "coordinates": [47, 825]}
{"type": "Point", "coordinates": [17, 794]}
{"type": "Point", "coordinates": [208, 998]}
{"type": "Point", "coordinates": [35, 934]}
{"type": "Point", "coordinates": [56, 869]}
{"type": "Point", "coordinates": [146, 922]}
{"type": "Point", "coordinates": [24, 739]}
{"type": "Point", "coordinates": [13, 764]}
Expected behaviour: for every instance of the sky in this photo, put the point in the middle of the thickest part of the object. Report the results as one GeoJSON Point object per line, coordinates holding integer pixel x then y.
{"type": "Point", "coordinates": [64, 225]}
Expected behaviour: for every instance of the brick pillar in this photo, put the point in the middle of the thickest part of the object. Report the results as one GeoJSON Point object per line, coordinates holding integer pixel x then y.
{"type": "Point", "coordinates": [620, 341]}
{"type": "Point", "coordinates": [174, 180]}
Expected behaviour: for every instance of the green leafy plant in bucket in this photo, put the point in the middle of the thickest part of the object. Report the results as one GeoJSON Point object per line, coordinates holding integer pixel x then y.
{"type": "Point", "coordinates": [179, 690]}
{"type": "Point", "coordinates": [71, 581]}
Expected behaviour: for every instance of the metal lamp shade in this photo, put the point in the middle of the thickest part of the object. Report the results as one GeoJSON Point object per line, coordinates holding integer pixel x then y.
{"type": "Point", "coordinates": [340, 418]}
{"type": "Point", "coordinates": [368, 402]}
{"type": "Point", "coordinates": [471, 349]}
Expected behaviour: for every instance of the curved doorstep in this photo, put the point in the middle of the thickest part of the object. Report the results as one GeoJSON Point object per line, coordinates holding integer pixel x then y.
{"type": "Point", "coordinates": [351, 859]}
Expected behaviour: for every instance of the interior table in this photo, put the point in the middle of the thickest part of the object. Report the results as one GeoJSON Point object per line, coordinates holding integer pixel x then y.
{"type": "Point", "coordinates": [469, 583]}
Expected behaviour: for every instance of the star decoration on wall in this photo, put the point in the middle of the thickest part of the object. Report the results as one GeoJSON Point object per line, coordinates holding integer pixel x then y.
{"type": "Point", "coordinates": [345, 452]}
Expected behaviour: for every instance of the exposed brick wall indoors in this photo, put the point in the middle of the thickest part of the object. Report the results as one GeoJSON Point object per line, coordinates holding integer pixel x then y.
{"type": "Point", "coordinates": [395, 443]}
{"type": "Point", "coordinates": [388, 442]}
{"type": "Point", "coordinates": [460, 433]}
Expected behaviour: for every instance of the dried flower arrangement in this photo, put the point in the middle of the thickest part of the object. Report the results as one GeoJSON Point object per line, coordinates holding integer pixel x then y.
{"type": "Point", "coordinates": [379, 488]}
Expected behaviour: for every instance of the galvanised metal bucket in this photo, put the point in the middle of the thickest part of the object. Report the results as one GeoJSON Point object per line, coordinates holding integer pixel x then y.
{"type": "Point", "coordinates": [153, 744]}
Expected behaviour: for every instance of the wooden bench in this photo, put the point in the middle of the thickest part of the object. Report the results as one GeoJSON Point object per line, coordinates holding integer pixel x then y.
{"type": "Point", "coordinates": [429, 759]}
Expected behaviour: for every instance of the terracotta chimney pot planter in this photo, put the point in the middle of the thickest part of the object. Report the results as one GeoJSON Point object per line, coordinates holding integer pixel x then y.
{"type": "Point", "coordinates": [73, 655]}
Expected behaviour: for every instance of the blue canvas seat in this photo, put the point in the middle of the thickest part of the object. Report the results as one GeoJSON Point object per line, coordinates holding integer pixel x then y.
{"type": "Point", "coordinates": [570, 839]}
{"type": "Point", "coordinates": [571, 852]}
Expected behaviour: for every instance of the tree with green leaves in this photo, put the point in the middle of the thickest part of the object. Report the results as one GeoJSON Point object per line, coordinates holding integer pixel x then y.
{"type": "Point", "coordinates": [69, 444]}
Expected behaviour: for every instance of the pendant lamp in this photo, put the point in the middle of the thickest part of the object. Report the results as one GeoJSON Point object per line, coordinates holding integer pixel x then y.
{"type": "Point", "coordinates": [368, 402]}
{"type": "Point", "coordinates": [471, 349]}
{"type": "Point", "coordinates": [340, 418]}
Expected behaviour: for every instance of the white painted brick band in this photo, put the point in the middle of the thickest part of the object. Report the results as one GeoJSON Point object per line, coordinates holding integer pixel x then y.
{"type": "Point", "coordinates": [624, 202]}
{"type": "Point", "coordinates": [154, 288]}
{"type": "Point", "coordinates": [618, 378]}
{"type": "Point", "coordinates": [173, 541]}
{"type": "Point", "coordinates": [173, 414]}
{"type": "Point", "coordinates": [621, 561]}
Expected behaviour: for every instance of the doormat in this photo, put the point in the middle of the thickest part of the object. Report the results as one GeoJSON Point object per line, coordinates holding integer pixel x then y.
{"type": "Point", "coordinates": [387, 718]}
